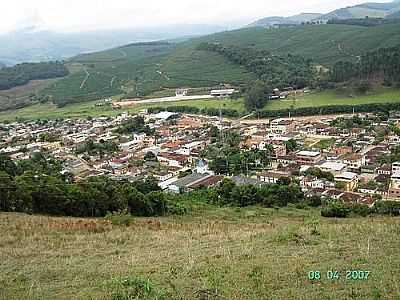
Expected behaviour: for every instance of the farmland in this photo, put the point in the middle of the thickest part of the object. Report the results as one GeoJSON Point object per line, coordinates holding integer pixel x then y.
{"type": "Point", "coordinates": [85, 109]}
{"type": "Point", "coordinates": [225, 253]}
{"type": "Point", "coordinates": [140, 69]}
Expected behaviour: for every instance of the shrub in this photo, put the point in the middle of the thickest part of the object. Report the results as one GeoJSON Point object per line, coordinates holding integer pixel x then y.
{"type": "Point", "coordinates": [120, 218]}
{"type": "Point", "coordinates": [335, 209]}
{"type": "Point", "coordinates": [134, 288]}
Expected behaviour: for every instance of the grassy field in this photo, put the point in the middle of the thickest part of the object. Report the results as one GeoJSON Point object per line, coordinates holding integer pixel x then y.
{"type": "Point", "coordinates": [80, 110]}
{"type": "Point", "coordinates": [382, 95]}
{"type": "Point", "coordinates": [251, 253]}
{"type": "Point", "coordinates": [85, 109]}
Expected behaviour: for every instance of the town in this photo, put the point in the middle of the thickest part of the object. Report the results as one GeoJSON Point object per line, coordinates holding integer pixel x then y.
{"type": "Point", "coordinates": [349, 158]}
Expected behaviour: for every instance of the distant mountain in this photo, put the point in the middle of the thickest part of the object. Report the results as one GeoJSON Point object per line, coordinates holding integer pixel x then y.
{"type": "Point", "coordinates": [373, 10]}
{"type": "Point", "coordinates": [297, 19]}
{"type": "Point", "coordinates": [32, 44]}
{"type": "Point", "coordinates": [395, 15]}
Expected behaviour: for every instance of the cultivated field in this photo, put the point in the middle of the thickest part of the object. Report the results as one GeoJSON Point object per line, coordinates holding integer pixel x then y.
{"type": "Point", "coordinates": [213, 253]}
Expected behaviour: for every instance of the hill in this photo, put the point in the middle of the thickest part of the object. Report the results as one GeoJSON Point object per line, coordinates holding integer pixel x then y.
{"type": "Point", "coordinates": [139, 69]}
{"type": "Point", "coordinates": [375, 10]}
{"type": "Point", "coordinates": [361, 11]}
{"type": "Point", "coordinates": [395, 15]}
{"type": "Point", "coordinates": [36, 45]}
{"type": "Point", "coordinates": [296, 19]}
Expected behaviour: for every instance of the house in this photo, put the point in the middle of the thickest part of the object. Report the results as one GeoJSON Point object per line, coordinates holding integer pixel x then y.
{"type": "Point", "coordinates": [348, 179]}
{"type": "Point", "coordinates": [194, 181]}
{"type": "Point", "coordinates": [333, 167]}
{"type": "Point", "coordinates": [355, 161]}
{"type": "Point", "coordinates": [310, 182]}
{"type": "Point", "coordinates": [342, 150]}
{"type": "Point", "coordinates": [385, 169]}
{"type": "Point", "coordinates": [395, 167]}
{"type": "Point", "coordinates": [282, 126]}
{"type": "Point", "coordinates": [308, 157]}
{"type": "Point", "coordinates": [394, 187]}
{"type": "Point", "coordinates": [333, 194]}
{"type": "Point", "coordinates": [271, 176]}
{"type": "Point", "coordinates": [242, 180]}
{"type": "Point", "coordinates": [181, 92]}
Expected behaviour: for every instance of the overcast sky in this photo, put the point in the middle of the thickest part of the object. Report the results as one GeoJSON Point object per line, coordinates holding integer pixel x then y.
{"type": "Point", "coordinates": [76, 15]}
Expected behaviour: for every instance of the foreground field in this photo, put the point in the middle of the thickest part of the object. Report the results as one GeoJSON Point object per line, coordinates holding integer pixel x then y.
{"type": "Point", "coordinates": [249, 253]}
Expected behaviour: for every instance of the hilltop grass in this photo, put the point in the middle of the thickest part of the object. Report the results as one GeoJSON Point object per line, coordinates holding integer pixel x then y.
{"type": "Point", "coordinates": [228, 253]}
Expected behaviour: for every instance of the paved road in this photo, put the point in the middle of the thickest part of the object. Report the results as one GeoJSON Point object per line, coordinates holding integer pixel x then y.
{"type": "Point", "coordinates": [161, 100]}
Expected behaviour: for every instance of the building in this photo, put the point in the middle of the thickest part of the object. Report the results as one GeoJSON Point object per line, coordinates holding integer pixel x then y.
{"type": "Point", "coordinates": [194, 181]}
{"type": "Point", "coordinates": [396, 167]}
{"type": "Point", "coordinates": [282, 126]}
{"type": "Point", "coordinates": [348, 179]}
{"type": "Point", "coordinates": [222, 93]}
{"type": "Point", "coordinates": [333, 167]}
{"type": "Point", "coordinates": [355, 161]}
{"type": "Point", "coordinates": [308, 157]}
{"type": "Point", "coordinates": [181, 92]}
{"type": "Point", "coordinates": [271, 177]}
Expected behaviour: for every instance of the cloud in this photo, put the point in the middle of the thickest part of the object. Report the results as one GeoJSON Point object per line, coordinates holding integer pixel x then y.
{"type": "Point", "coordinates": [76, 15]}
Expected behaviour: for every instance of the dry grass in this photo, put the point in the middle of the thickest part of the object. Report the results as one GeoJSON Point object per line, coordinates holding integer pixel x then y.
{"type": "Point", "coordinates": [213, 254]}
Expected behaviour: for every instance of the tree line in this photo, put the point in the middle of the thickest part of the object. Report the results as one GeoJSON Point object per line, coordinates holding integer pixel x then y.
{"type": "Point", "coordinates": [384, 108]}
{"type": "Point", "coordinates": [276, 71]}
{"type": "Point", "coordinates": [367, 22]}
{"type": "Point", "coordinates": [384, 62]}
{"type": "Point", "coordinates": [39, 186]}
{"type": "Point", "coordinates": [23, 73]}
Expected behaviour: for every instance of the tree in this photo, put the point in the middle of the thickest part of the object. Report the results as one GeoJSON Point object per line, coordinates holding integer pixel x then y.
{"type": "Point", "coordinates": [257, 95]}
{"type": "Point", "coordinates": [291, 145]}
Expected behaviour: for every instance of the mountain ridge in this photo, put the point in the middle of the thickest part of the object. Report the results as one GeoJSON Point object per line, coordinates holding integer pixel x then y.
{"type": "Point", "coordinates": [368, 9]}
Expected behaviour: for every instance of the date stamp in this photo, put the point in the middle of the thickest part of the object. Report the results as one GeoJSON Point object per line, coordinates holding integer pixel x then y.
{"type": "Point", "coordinates": [337, 275]}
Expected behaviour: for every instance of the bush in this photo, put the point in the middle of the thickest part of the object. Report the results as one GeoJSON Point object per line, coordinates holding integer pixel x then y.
{"type": "Point", "coordinates": [360, 210]}
{"type": "Point", "coordinates": [133, 288]}
{"type": "Point", "coordinates": [120, 218]}
{"type": "Point", "coordinates": [314, 201]}
{"type": "Point", "coordinates": [335, 209]}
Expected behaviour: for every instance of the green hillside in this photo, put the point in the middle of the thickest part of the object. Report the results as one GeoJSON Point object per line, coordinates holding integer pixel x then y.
{"type": "Point", "coordinates": [372, 10]}
{"type": "Point", "coordinates": [139, 69]}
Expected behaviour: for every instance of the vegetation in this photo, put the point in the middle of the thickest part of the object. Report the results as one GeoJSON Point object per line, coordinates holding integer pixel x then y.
{"type": "Point", "coordinates": [139, 69]}
{"type": "Point", "coordinates": [275, 71]}
{"type": "Point", "coordinates": [364, 21]}
{"type": "Point", "coordinates": [135, 125]}
{"type": "Point", "coordinates": [23, 73]}
{"type": "Point", "coordinates": [101, 148]}
{"type": "Point", "coordinates": [70, 258]}
{"type": "Point", "coordinates": [383, 62]}
{"type": "Point", "coordinates": [39, 186]}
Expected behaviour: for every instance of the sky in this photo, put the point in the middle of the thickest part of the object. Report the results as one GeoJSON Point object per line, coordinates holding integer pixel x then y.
{"type": "Point", "coordinates": [83, 15]}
